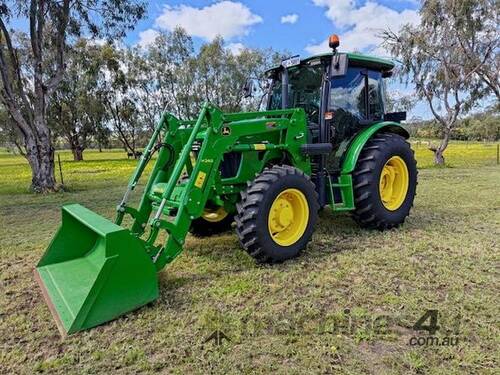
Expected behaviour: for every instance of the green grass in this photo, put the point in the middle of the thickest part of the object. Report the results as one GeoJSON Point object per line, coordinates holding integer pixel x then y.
{"type": "Point", "coordinates": [458, 154]}
{"type": "Point", "coordinates": [283, 318]}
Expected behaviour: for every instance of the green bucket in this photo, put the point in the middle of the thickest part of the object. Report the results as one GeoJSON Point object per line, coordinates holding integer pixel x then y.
{"type": "Point", "coordinates": [94, 271]}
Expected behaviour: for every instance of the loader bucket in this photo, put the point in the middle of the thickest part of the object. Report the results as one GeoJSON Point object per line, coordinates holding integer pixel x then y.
{"type": "Point", "coordinates": [94, 271]}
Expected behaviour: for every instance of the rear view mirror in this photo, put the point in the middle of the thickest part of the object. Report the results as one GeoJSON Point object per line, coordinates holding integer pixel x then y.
{"type": "Point", "coordinates": [339, 65]}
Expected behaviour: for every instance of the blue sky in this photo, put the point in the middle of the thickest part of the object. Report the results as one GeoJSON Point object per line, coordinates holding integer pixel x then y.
{"type": "Point", "coordinates": [299, 26]}
{"type": "Point", "coordinates": [258, 23]}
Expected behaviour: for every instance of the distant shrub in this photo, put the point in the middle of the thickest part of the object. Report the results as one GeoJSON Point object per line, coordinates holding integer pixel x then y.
{"type": "Point", "coordinates": [480, 127]}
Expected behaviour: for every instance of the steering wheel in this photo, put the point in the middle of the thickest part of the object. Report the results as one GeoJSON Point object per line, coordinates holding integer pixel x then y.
{"type": "Point", "coordinates": [311, 109]}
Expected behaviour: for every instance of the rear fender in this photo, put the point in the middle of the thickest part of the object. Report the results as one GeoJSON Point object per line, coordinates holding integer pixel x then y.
{"type": "Point", "coordinates": [352, 154]}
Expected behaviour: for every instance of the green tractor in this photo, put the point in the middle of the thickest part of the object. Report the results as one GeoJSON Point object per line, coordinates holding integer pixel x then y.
{"type": "Point", "coordinates": [324, 140]}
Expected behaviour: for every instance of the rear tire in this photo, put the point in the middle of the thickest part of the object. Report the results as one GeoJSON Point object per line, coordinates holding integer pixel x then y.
{"type": "Point", "coordinates": [277, 214]}
{"type": "Point", "coordinates": [386, 159]}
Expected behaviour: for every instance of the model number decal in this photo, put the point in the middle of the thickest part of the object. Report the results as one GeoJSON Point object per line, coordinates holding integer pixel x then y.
{"type": "Point", "coordinates": [200, 179]}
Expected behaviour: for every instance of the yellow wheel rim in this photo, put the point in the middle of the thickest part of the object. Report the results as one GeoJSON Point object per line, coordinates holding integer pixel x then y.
{"type": "Point", "coordinates": [288, 217]}
{"type": "Point", "coordinates": [394, 182]}
{"type": "Point", "coordinates": [214, 215]}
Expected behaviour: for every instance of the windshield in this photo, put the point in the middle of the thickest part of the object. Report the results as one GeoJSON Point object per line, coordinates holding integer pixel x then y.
{"type": "Point", "coordinates": [304, 90]}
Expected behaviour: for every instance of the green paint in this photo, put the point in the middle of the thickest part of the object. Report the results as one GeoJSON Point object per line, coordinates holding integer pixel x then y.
{"type": "Point", "coordinates": [346, 191]}
{"type": "Point", "coordinates": [95, 270]}
{"type": "Point", "coordinates": [352, 154]}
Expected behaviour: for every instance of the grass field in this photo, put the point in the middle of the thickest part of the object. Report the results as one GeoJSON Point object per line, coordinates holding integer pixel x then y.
{"type": "Point", "coordinates": [318, 313]}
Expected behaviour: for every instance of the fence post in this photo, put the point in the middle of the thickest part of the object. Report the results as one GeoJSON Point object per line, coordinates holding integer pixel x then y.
{"type": "Point", "coordinates": [498, 153]}
{"type": "Point", "coordinates": [60, 168]}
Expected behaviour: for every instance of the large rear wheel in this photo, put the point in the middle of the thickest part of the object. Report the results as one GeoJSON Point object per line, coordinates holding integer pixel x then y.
{"type": "Point", "coordinates": [277, 214]}
{"type": "Point", "coordinates": [384, 181]}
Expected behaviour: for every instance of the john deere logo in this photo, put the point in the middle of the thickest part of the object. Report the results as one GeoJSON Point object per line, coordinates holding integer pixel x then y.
{"type": "Point", "coordinates": [226, 130]}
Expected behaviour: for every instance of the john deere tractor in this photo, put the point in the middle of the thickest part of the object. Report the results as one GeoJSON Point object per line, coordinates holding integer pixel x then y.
{"type": "Point", "coordinates": [325, 139]}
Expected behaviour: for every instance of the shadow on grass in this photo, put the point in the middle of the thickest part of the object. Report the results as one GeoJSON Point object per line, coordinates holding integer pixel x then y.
{"type": "Point", "coordinates": [437, 166]}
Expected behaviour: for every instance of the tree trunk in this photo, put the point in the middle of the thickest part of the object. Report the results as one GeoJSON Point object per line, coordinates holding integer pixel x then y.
{"type": "Point", "coordinates": [41, 159]}
{"type": "Point", "coordinates": [77, 153]}
{"type": "Point", "coordinates": [438, 157]}
{"type": "Point", "coordinates": [26, 99]}
{"type": "Point", "coordinates": [439, 151]}
{"type": "Point", "coordinates": [76, 147]}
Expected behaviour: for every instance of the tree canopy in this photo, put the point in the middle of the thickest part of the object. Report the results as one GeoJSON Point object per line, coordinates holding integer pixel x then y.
{"type": "Point", "coordinates": [32, 66]}
{"type": "Point", "coordinates": [451, 57]}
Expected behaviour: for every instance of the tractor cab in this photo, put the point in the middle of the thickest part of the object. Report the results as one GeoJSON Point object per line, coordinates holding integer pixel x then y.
{"type": "Point", "coordinates": [340, 93]}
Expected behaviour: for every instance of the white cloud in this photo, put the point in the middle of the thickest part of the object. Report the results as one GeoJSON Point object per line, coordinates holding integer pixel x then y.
{"type": "Point", "coordinates": [147, 37]}
{"type": "Point", "coordinates": [315, 49]}
{"type": "Point", "coordinates": [337, 10]}
{"type": "Point", "coordinates": [235, 48]}
{"type": "Point", "coordinates": [228, 19]}
{"type": "Point", "coordinates": [290, 18]}
{"type": "Point", "coordinates": [98, 41]}
{"type": "Point", "coordinates": [361, 24]}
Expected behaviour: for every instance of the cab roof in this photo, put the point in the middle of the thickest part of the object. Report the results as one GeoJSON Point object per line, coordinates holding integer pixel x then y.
{"type": "Point", "coordinates": [355, 59]}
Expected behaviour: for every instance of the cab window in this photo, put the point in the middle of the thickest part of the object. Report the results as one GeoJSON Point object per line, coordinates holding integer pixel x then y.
{"type": "Point", "coordinates": [348, 94]}
{"type": "Point", "coordinates": [304, 90]}
{"type": "Point", "coordinates": [375, 95]}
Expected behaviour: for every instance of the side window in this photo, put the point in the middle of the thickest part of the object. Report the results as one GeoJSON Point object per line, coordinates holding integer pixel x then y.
{"type": "Point", "coordinates": [275, 101]}
{"type": "Point", "coordinates": [347, 94]}
{"type": "Point", "coordinates": [375, 101]}
{"type": "Point", "coordinates": [304, 89]}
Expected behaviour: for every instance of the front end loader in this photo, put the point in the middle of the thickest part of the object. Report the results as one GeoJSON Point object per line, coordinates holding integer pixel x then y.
{"type": "Point", "coordinates": [324, 140]}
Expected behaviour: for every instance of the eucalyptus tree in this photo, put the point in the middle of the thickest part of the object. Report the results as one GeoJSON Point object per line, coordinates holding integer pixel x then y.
{"type": "Point", "coordinates": [478, 37]}
{"type": "Point", "coordinates": [169, 74]}
{"type": "Point", "coordinates": [142, 87]}
{"type": "Point", "coordinates": [446, 73]}
{"type": "Point", "coordinates": [29, 82]}
{"type": "Point", "coordinates": [77, 112]}
{"type": "Point", "coordinates": [118, 97]}
{"type": "Point", "coordinates": [221, 74]}
{"type": "Point", "coordinates": [172, 65]}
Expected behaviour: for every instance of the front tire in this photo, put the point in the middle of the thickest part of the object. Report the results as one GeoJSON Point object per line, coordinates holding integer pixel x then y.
{"type": "Point", "coordinates": [384, 182]}
{"type": "Point", "coordinates": [277, 214]}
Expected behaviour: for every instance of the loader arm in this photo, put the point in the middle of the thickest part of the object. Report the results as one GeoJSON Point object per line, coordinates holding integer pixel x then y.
{"type": "Point", "coordinates": [181, 183]}
{"type": "Point", "coordinates": [95, 270]}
